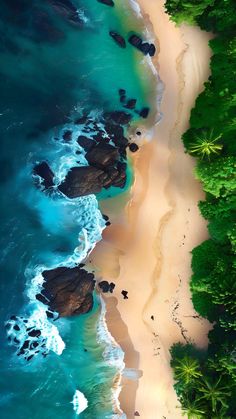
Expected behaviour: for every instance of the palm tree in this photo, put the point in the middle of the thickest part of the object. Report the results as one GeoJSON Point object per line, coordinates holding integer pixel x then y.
{"type": "Point", "coordinates": [193, 410]}
{"type": "Point", "coordinates": [187, 370]}
{"type": "Point", "coordinates": [206, 145]}
{"type": "Point", "coordinates": [214, 393]}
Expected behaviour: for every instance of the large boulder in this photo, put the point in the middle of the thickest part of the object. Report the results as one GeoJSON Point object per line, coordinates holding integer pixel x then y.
{"type": "Point", "coordinates": [68, 290]}
{"type": "Point", "coordinates": [82, 181]}
{"type": "Point", "coordinates": [118, 39]}
{"type": "Point", "coordinates": [102, 155]}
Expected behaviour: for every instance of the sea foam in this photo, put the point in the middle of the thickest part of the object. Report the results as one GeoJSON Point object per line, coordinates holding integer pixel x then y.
{"type": "Point", "coordinates": [80, 403]}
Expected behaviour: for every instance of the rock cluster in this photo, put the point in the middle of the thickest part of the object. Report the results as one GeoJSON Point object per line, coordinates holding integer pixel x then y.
{"type": "Point", "coordinates": [68, 291]}
{"type": "Point", "coordinates": [105, 286]}
{"type": "Point", "coordinates": [145, 47]}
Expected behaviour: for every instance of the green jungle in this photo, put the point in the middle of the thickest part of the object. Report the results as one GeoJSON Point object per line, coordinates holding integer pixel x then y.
{"type": "Point", "coordinates": [205, 381]}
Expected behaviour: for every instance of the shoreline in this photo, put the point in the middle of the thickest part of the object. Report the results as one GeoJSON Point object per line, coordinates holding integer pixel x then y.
{"type": "Point", "coordinates": [115, 257]}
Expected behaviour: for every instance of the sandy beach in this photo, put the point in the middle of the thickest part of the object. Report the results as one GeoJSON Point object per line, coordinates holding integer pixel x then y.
{"type": "Point", "coordinates": [146, 250]}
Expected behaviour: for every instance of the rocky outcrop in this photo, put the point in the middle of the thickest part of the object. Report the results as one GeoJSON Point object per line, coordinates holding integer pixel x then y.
{"type": "Point", "coordinates": [68, 291]}
{"type": "Point", "coordinates": [145, 47]}
{"type": "Point", "coordinates": [81, 181]}
{"type": "Point", "coordinates": [118, 39]}
{"type": "Point", "coordinates": [43, 170]}
{"type": "Point", "coordinates": [102, 155]}
{"type": "Point", "coordinates": [107, 2]}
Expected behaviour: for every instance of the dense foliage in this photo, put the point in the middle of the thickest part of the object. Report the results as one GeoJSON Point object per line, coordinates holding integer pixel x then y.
{"type": "Point", "coordinates": [206, 382]}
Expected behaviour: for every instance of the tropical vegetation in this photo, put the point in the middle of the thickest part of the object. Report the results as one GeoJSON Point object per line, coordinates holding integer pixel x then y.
{"type": "Point", "coordinates": [205, 381]}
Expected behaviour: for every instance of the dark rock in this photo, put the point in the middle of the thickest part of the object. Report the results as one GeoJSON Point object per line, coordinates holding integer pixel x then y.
{"type": "Point", "coordinates": [43, 170]}
{"type": "Point", "coordinates": [68, 11]}
{"type": "Point", "coordinates": [99, 137]}
{"type": "Point", "coordinates": [108, 223]}
{"type": "Point", "coordinates": [81, 181]}
{"type": "Point", "coordinates": [105, 217]}
{"type": "Point", "coordinates": [125, 294]}
{"type": "Point", "coordinates": [152, 50]}
{"type": "Point", "coordinates": [118, 39]}
{"type": "Point", "coordinates": [122, 94]}
{"type": "Point", "coordinates": [136, 41]}
{"type": "Point", "coordinates": [67, 136]}
{"type": "Point", "coordinates": [13, 318]}
{"type": "Point", "coordinates": [107, 2]}
{"type": "Point", "coordinates": [102, 155]}
{"type": "Point", "coordinates": [85, 142]}
{"type": "Point", "coordinates": [131, 104]}
{"type": "Point", "coordinates": [82, 120]}
{"type": "Point", "coordinates": [104, 285]}
{"type": "Point", "coordinates": [25, 345]}
{"type": "Point", "coordinates": [16, 341]}
{"type": "Point", "coordinates": [35, 333]}
{"type": "Point", "coordinates": [119, 117]}
{"type": "Point", "coordinates": [69, 290]}
{"type": "Point", "coordinates": [50, 314]}
{"type": "Point", "coordinates": [152, 317]}
{"type": "Point", "coordinates": [16, 327]}
{"type": "Point", "coordinates": [136, 413]}
{"type": "Point", "coordinates": [138, 133]}
{"type": "Point", "coordinates": [144, 112]}
{"type": "Point", "coordinates": [29, 357]}
{"type": "Point", "coordinates": [144, 48]}
{"type": "Point", "coordinates": [112, 287]}
{"type": "Point", "coordinates": [133, 147]}
{"type": "Point", "coordinates": [42, 299]}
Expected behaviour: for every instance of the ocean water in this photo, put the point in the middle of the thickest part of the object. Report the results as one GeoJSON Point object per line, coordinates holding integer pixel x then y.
{"type": "Point", "coordinates": [51, 70]}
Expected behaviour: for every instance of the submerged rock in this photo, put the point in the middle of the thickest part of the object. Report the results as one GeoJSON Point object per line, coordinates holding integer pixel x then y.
{"type": "Point", "coordinates": [131, 104]}
{"type": "Point", "coordinates": [69, 290]}
{"type": "Point", "coordinates": [68, 11]}
{"type": "Point", "coordinates": [107, 2]}
{"type": "Point", "coordinates": [119, 117]}
{"type": "Point", "coordinates": [118, 39]}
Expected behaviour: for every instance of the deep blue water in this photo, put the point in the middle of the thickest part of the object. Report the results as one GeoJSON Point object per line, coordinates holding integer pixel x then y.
{"type": "Point", "coordinates": [52, 70]}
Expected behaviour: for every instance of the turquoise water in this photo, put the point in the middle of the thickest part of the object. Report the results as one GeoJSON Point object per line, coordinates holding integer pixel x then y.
{"type": "Point", "coordinates": [51, 71]}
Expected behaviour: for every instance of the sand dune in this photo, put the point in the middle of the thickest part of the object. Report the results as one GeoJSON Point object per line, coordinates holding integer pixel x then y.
{"type": "Point", "coordinates": [147, 249]}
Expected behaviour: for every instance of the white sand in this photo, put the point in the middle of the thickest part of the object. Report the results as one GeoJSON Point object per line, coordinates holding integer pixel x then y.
{"type": "Point", "coordinates": [147, 249]}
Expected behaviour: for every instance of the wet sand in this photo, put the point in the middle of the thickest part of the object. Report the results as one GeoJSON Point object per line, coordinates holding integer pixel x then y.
{"type": "Point", "coordinates": [146, 250]}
